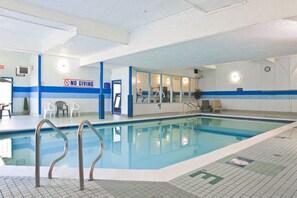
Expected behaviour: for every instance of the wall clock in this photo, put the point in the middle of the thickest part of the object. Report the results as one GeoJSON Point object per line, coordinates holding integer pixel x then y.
{"type": "Point", "coordinates": [267, 69]}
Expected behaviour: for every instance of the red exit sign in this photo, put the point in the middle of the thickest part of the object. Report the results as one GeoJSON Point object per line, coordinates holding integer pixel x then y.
{"type": "Point", "coordinates": [1, 66]}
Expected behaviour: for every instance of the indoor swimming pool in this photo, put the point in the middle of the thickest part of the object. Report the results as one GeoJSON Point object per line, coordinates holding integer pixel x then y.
{"type": "Point", "coordinates": [140, 145]}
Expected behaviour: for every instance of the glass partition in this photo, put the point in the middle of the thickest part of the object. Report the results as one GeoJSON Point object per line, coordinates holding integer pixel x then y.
{"type": "Point", "coordinates": [142, 87]}
{"type": "Point", "coordinates": [176, 89]}
{"type": "Point", "coordinates": [185, 89]}
{"type": "Point", "coordinates": [166, 88]}
{"type": "Point", "coordinates": [155, 88]}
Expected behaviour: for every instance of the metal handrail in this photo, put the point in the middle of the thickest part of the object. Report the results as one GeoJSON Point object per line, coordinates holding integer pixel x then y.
{"type": "Point", "coordinates": [186, 103]}
{"type": "Point", "coordinates": [80, 153]}
{"type": "Point", "coordinates": [37, 150]}
{"type": "Point", "coordinates": [190, 105]}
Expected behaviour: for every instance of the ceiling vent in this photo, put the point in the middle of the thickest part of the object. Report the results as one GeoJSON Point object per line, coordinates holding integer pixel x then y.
{"type": "Point", "coordinates": [214, 5]}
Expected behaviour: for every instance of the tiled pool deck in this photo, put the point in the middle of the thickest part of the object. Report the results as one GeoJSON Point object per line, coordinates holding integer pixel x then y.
{"type": "Point", "coordinates": [272, 172]}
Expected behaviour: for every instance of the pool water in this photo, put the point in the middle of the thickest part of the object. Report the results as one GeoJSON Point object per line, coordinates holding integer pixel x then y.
{"type": "Point", "coordinates": [145, 145]}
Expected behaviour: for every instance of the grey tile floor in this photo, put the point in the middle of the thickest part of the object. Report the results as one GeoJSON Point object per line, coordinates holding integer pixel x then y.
{"type": "Point", "coordinates": [24, 187]}
{"type": "Point", "coordinates": [272, 174]}
{"type": "Point", "coordinates": [143, 189]}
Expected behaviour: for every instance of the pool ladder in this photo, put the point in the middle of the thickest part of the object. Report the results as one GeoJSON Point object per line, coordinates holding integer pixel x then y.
{"type": "Point", "coordinates": [80, 152]}
{"type": "Point", "coordinates": [191, 106]}
{"type": "Point", "coordinates": [37, 150]}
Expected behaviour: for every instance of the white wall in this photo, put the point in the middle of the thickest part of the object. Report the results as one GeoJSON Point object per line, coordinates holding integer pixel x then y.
{"type": "Point", "coordinates": [281, 77]}
{"type": "Point", "coordinates": [53, 74]}
{"type": "Point", "coordinates": [33, 83]}
{"type": "Point", "coordinates": [11, 60]}
{"type": "Point", "coordinates": [142, 109]}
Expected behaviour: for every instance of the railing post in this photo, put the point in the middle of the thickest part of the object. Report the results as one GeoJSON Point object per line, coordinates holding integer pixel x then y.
{"type": "Point", "coordinates": [80, 152]}
{"type": "Point", "coordinates": [80, 158]}
{"type": "Point", "coordinates": [37, 160]}
{"type": "Point", "coordinates": [37, 150]}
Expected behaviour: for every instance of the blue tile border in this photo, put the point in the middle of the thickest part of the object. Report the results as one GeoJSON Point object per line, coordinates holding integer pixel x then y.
{"type": "Point", "coordinates": [250, 94]}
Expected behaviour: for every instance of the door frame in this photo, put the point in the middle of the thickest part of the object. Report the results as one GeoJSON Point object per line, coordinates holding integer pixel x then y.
{"type": "Point", "coordinates": [112, 99]}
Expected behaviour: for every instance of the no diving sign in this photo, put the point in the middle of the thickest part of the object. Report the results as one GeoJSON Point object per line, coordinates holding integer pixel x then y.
{"type": "Point", "coordinates": [68, 82]}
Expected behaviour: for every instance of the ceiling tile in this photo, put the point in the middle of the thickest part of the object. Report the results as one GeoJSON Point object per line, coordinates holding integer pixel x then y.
{"type": "Point", "coordinates": [212, 5]}
{"type": "Point", "coordinates": [127, 14]}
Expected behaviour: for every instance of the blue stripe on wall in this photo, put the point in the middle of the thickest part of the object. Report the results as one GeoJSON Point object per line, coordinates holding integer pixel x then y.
{"type": "Point", "coordinates": [54, 89]}
{"type": "Point", "coordinates": [21, 89]}
{"type": "Point", "coordinates": [72, 92]}
{"type": "Point", "coordinates": [59, 92]}
{"type": "Point", "coordinates": [272, 95]}
{"type": "Point", "coordinates": [278, 92]}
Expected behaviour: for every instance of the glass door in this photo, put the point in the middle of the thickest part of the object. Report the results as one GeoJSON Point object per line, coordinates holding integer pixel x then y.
{"type": "Point", "coordinates": [116, 96]}
{"type": "Point", "coordinates": [6, 92]}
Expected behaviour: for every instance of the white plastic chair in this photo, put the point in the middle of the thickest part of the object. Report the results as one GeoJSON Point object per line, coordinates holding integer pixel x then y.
{"type": "Point", "coordinates": [74, 108]}
{"type": "Point", "coordinates": [48, 108]}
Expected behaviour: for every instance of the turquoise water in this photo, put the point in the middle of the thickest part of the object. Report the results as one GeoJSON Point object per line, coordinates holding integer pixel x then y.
{"type": "Point", "coordinates": [145, 145]}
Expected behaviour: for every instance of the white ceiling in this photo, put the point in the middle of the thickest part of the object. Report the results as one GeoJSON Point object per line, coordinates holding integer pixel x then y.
{"type": "Point", "coordinates": [276, 38]}
{"type": "Point", "coordinates": [31, 34]}
{"type": "Point", "coordinates": [213, 5]}
{"type": "Point", "coordinates": [127, 14]}
{"type": "Point", "coordinates": [25, 33]}
{"type": "Point", "coordinates": [80, 46]}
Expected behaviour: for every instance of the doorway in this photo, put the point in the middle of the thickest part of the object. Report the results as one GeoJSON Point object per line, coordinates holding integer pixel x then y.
{"type": "Point", "coordinates": [6, 92]}
{"type": "Point", "coordinates": [116, 97]}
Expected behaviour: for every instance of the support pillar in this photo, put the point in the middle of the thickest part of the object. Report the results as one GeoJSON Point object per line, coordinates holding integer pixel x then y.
{"type": "Point", "coordinates": [101, 95]}
{"type": "Point", "coordinates": [39, 85]}
{"type": "Point", "coordinates": [130, 95]}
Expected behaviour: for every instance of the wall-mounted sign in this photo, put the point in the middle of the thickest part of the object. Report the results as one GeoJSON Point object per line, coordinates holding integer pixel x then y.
{"type": "Point", "coordinates": [68, 82]}
{"type": "Point", "coordinates": [1, 66]}
{"type": "Point", "coordinates": [106, 85]}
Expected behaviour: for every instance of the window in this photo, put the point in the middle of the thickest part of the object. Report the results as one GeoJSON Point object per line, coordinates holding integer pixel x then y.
{"type": "Point", "coordinates": [155, 88]}
{"type": "Point", "coordinates": [185, 89]}
{"type": "Point", "coordinates": [176, 89]}
{"type": "Point", "coordinates": [142, 87]}
{"type": "Point", "coordinates": [166, 88]}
